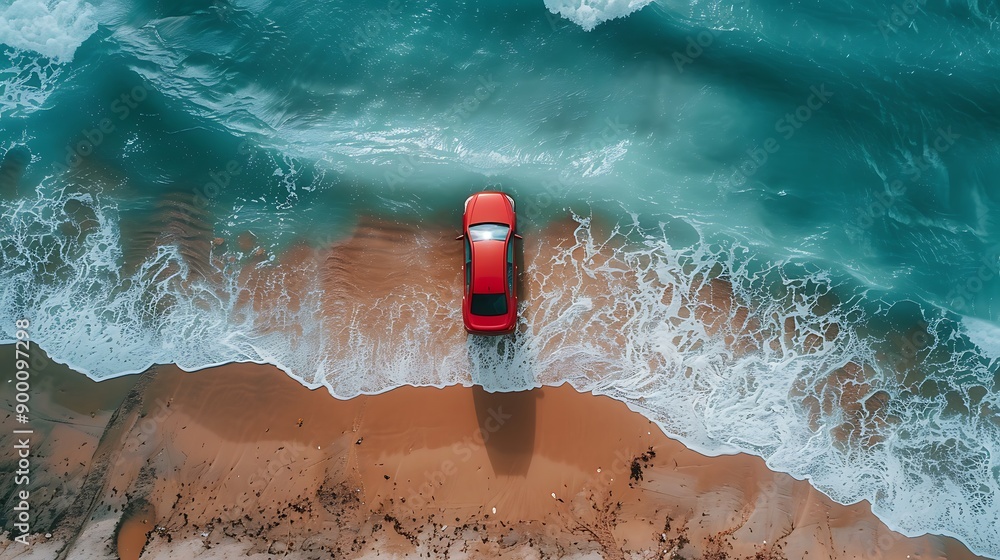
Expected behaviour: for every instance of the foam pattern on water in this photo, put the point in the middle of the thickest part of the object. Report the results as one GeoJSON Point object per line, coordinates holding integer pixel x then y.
{"type": "Point", "coordinates": [28, 82]}
{"type": "Point", "coordinates": [588, 14]}
{"type": "Point", "coordinates": [723, 351]}
{"type": "Point", "coordinates": [51, 28]}
{"type": "Point", "coordinates": [39, 39]}
{"type": "Point", "coordinates": [64, 274]}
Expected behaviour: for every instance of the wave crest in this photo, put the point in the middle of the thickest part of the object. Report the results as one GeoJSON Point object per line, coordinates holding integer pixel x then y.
{"type": "Point", "coordinates": [588, 14]}
{"type": "Point", "coordinates": [54, 29]}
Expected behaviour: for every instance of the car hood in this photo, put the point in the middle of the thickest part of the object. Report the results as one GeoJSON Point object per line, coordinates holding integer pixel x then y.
{"type": "Point", "coordinates": [489, 207]}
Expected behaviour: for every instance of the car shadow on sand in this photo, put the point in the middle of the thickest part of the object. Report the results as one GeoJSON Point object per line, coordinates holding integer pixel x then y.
{"type": "Point", "coordinates": [506, 417]}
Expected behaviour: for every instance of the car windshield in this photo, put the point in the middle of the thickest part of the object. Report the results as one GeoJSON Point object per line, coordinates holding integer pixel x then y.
{"type": "Point", "coordinates": [489, 304]}
{"type": "Point", "coordinates": [486, 232]}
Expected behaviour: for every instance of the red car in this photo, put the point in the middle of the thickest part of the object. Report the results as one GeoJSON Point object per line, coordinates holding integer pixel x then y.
{"type": "Point", "coordinates": [489, 300]}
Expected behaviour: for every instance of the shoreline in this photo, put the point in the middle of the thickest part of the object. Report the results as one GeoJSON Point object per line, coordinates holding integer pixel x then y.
{"type": "Point", "coordinates": [243, 460]}
{"type": "Point", "coordinates": [687, 350]}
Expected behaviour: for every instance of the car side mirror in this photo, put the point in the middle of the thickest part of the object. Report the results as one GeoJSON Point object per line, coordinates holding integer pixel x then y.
{"type": "Point", "coordinates": [460, 237]}
{"type": "Point", "coordinates": [516, 236]}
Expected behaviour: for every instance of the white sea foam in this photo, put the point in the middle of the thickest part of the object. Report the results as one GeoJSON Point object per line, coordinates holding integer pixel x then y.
{"type": "Point", "coordinates": [52, 28]}
{"type": "Point", "coordinates": [38, 38]}
{"type": "Point", "coordinates": [29, 81]}
{"type": "Point", "coordinates": [588, 14]}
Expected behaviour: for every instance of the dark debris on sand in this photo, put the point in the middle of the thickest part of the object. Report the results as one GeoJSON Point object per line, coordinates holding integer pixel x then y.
{"type": "Point", "coordinates": [640, 461]}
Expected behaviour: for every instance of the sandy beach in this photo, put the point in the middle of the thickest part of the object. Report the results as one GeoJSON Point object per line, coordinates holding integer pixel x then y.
{"type": "Point", "coordinates": [241, 461]}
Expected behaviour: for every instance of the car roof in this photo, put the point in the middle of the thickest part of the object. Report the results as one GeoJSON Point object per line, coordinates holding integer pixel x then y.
{"type": "Point", "coordinates": [489, 260]}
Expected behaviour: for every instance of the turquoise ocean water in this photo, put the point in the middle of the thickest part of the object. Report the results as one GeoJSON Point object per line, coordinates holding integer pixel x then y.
{"type": "Point", "coordinates": [837, 162]}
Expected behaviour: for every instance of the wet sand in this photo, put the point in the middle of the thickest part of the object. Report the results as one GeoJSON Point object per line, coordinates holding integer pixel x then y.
{"type": "Point", "coordinates": [241, 461]}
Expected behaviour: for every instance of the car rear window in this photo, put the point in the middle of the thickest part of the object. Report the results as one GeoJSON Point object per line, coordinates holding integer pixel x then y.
{"type": "Point", "coordinates": [488, 304]}
{"type": "Point", "coordinates": [487, 232]}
